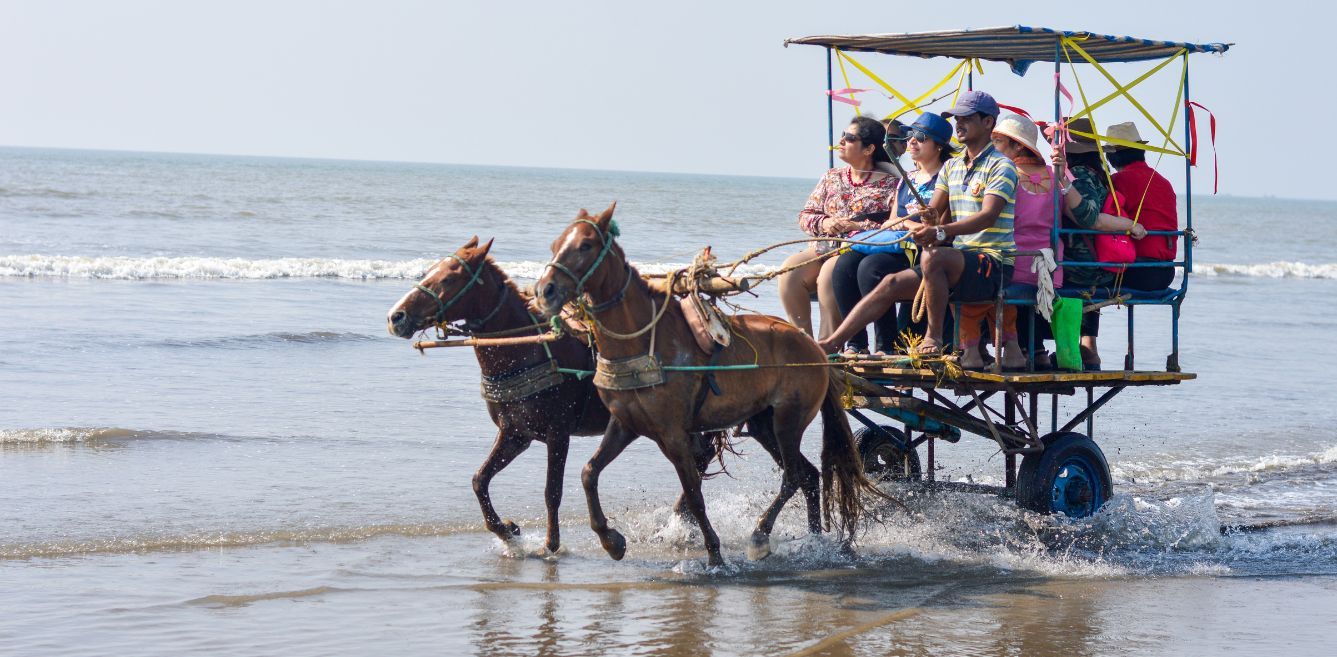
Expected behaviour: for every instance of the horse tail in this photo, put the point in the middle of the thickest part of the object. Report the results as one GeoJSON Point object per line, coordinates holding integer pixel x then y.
{"type": "Point", "coordinates": [844, 485]}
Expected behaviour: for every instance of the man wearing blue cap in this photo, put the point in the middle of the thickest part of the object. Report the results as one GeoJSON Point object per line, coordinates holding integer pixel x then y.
{"type": "Point", "coordinates": [967, 233]}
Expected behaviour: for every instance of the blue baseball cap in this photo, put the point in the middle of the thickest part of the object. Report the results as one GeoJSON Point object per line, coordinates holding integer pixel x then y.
{"type": "Point", "coordinates": [932, 125]}
{"type": "Point", "coordinates": [973, 102]}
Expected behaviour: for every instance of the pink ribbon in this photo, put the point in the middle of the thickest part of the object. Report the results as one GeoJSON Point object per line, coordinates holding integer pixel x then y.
{"type": "Point", "coordinates": [1193, 141]}
{"type": "Point", "coordinates": [838, 95]}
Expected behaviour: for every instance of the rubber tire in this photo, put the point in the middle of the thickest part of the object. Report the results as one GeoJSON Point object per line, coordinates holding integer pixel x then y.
{"type": "Point", "coordinates": [1038, 472]}
{"type": "Point", "coordinates": [878, 453]}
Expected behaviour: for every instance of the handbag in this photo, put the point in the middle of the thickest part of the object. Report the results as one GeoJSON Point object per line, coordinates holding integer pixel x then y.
{"type": "Point", "coordinates": [886, 241]}
{"type": "Point", "coordinates": [1115, 248]}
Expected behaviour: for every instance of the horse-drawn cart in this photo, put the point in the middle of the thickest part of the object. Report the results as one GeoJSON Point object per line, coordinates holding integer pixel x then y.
{"type": "Point", "coordinates": [1062, 469]}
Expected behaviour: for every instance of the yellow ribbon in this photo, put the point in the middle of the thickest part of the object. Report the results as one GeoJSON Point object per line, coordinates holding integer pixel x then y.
{"type": "Point", "coordinates": [1123, 90]}
{"type": "Point", "coordinates": [843, 74]}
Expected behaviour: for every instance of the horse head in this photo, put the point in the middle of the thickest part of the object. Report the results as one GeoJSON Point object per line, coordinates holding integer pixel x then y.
{"type": "Point", "coordinates": [580, 262]}
{"type": "Point", "coordinates": [449, 292]}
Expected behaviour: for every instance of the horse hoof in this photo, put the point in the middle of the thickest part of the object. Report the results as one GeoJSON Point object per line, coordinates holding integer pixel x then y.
{"type": "Point", "coordinates": [512, 530]}
{"type": "Point", "coordinates": [616, 545]}
{"type": "Point", "coordinates": [715, 561]}
{"type": "Point", "coordinates": [552, 546]}
{"type": "Point", "coordinates": [759, 547]}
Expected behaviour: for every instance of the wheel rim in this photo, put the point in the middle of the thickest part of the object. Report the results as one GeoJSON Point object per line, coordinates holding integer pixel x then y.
{"type": "Point", "coordinates": [887, 462]}
{"type": "Point", "coordinates": [1076, 490]}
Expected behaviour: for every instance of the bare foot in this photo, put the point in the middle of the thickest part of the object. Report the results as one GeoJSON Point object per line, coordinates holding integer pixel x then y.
{"type": "Point", "coordinates": [1013, 356]}
{"type": "Point", "coordinates": [971, 359]}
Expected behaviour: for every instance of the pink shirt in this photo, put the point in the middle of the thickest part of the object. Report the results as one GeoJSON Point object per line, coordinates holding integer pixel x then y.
{"type": "Point", "coordinates": [1032, 222]}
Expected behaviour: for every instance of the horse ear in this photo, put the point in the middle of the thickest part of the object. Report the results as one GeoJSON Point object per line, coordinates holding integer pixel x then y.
{"type": "Point", "coordinates": [473, 242]}
{"type": "Point", "coordinates": [482, 252]}
{"type": "Point", "coordinates": [583, 214]}
{"type": "Point", "coordinates": [605, 217]}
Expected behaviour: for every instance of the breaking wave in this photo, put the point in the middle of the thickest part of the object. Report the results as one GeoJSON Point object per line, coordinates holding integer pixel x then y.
{"type": "Point", "coordinates": [91, 436]}
{"type": "Point", "coordinates": [1282, 269]}
{"type": "Point", "coordinates": [128, 268]}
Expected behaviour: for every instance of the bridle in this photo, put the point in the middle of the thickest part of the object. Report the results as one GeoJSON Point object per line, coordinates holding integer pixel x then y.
{"type": "Point", "coordinates": [475, 278]}
{"type": "Point", "coordinates": [580, 293]}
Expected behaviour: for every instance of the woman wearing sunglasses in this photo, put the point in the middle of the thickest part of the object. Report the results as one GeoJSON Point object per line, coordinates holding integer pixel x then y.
{"type": "Point", "coordinates": [833, 210]}
{"type": "Point", "coordinates": [928, 142]}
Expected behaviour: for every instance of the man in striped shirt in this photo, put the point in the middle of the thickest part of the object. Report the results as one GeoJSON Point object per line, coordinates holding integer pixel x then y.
{"type": "Point", "coordinates": [971, 210]}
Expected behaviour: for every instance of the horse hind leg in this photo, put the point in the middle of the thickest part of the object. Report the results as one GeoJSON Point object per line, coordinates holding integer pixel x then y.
{"type": "Point", "coordinates": [762, 428]}
{"type": "Point", "coordinates": [704, 448]}
{"type": "Point", "coordinates": [504, 450]}
{"type": "Point", "coordinates": [677, 448]}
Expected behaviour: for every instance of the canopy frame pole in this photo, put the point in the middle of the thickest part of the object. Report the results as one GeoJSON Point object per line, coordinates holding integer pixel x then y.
{"type": "Point", "coordinates": [830, 114]}
{"type": "Point", "coordinates": [1058, 143]}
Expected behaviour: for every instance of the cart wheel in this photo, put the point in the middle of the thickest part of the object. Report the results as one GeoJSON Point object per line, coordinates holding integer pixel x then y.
{"type": "Point", "coordinates": [882, 458]}
{"type": "Point", "coordinates": [1070, 477]}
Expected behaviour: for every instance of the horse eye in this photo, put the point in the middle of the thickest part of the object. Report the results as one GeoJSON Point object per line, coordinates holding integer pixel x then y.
{"type": "Point", "coordinates": [585, 247]}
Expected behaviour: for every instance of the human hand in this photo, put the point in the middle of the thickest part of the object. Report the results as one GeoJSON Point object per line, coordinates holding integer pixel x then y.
{"type": "Point", "coordinates": [1057, 159]}
{"type": "Point", "coordinates": [924, 235]}
{"type": "Point", "coordinates": [1138, 231]}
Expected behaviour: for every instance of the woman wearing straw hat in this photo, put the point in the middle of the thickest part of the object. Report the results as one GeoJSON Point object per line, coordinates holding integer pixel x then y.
{"type": "Point", "coordinates": [833, 210]}
{"type": "Point", "coordinates": [1033, 219]}
{"type": "Point", "coordinates": [1085, 208]}
{"type": "Point", "coordinates": [1153, 204]}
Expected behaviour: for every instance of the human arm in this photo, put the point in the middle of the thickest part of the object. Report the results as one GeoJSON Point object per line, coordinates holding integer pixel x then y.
{"type": "Point", "coordinates": [1084, 199]}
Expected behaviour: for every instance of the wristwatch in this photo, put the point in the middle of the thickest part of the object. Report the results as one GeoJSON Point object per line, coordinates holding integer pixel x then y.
{"type": "Point", "coordinates": [940, 234]}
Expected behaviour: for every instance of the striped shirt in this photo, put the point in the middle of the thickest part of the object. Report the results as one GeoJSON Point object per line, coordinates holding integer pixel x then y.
{"type": "Point", "coordinates": [967, 185]}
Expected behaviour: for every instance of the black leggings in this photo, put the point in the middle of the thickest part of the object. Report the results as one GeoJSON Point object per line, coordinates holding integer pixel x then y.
{"type": "Point", "coordinates": [855, 275]}
{"type": "Point", "coordinates": [1148, 278]}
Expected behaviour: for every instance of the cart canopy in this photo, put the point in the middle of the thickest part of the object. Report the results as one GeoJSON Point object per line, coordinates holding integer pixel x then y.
{"type": "Point", "coordinates": [1017, 45]}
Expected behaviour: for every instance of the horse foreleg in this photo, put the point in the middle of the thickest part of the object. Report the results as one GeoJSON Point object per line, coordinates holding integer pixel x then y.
{"type": "Point", "coordinates": [616, 438]}
{"type": "Point", "coordinates": [504, 450]}
{"type": "Point", "coordinates": [678, 449]}
{"type": "Point", "coordinates": [552, 494]}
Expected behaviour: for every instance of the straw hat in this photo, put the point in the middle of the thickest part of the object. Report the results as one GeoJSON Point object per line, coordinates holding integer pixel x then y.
{"type": "Point", "coordinates": [1020, 129]}
{"type": "Point", "coordinates": [1081, 143]}
{"type": "Point", "coordinates": [1126, 131]}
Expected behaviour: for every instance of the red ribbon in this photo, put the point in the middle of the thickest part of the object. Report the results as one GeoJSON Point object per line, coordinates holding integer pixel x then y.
{"type": "Point", "coordinates": [1193, 141]}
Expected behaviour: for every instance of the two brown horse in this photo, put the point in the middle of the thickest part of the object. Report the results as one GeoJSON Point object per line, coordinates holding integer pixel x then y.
{"type": "Point", "coordinates": [531, 404]}
{"type": "Point", "coordinates": [777, 400]}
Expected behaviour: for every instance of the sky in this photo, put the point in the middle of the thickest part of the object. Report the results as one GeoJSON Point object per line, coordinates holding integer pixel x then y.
{"type": "Point", "coordinates": [692, 87]}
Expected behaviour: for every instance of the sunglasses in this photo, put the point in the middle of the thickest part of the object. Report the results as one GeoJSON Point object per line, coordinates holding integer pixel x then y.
{"type": "Point", "coordinates": [849, 138]}
{"type": "Point", "coordinates": [917, 135]}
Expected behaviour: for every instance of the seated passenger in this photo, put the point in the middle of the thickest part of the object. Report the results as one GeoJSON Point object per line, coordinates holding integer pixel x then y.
{"type": "Point", "coordinates": [972, 205]}
{"type": "Point", "coordinates": [1153, 205]}
{"type": "Point", "coordinates": [1088, 206]}
{"type": "Point", "coordinates": [1018, 138]}
{"type": "Point", "coordinates": [833, 210]}
{"type": "Point", "coordinates": [928, 141]}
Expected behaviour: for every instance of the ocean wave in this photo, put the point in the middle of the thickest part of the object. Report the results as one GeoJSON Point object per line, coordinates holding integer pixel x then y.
{"type": "Point", "coordinates": [262, 339]}
{"type": "Point", "coordinates": [128, 268]}
{"type": "Point", "coordinates": [1281, 269]}
{"type": "Point", "coordinates": [1201, 470]}
{"type": "Point", "coordinates": [45, 436]}
{"type": "Point", "coordinates": [225, 539]}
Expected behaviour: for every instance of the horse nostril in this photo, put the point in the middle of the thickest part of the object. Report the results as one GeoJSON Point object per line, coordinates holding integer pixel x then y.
{"type": "Point", "coordinates": [549, 290]}
{"type": "Point", "coordinates": [397, 317]}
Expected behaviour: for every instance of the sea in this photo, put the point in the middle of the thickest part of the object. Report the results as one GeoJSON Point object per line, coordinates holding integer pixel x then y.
{"type": "Point", "coordinates": [209, 443]}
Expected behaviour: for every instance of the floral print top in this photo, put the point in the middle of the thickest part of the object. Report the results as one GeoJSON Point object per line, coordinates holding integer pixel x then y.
{"type": "Point", "coordinates": [838, 196]}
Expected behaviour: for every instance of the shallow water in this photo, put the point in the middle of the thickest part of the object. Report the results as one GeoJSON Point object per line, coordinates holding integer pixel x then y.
{"type": "Point", "coordinates": [209, 443]}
